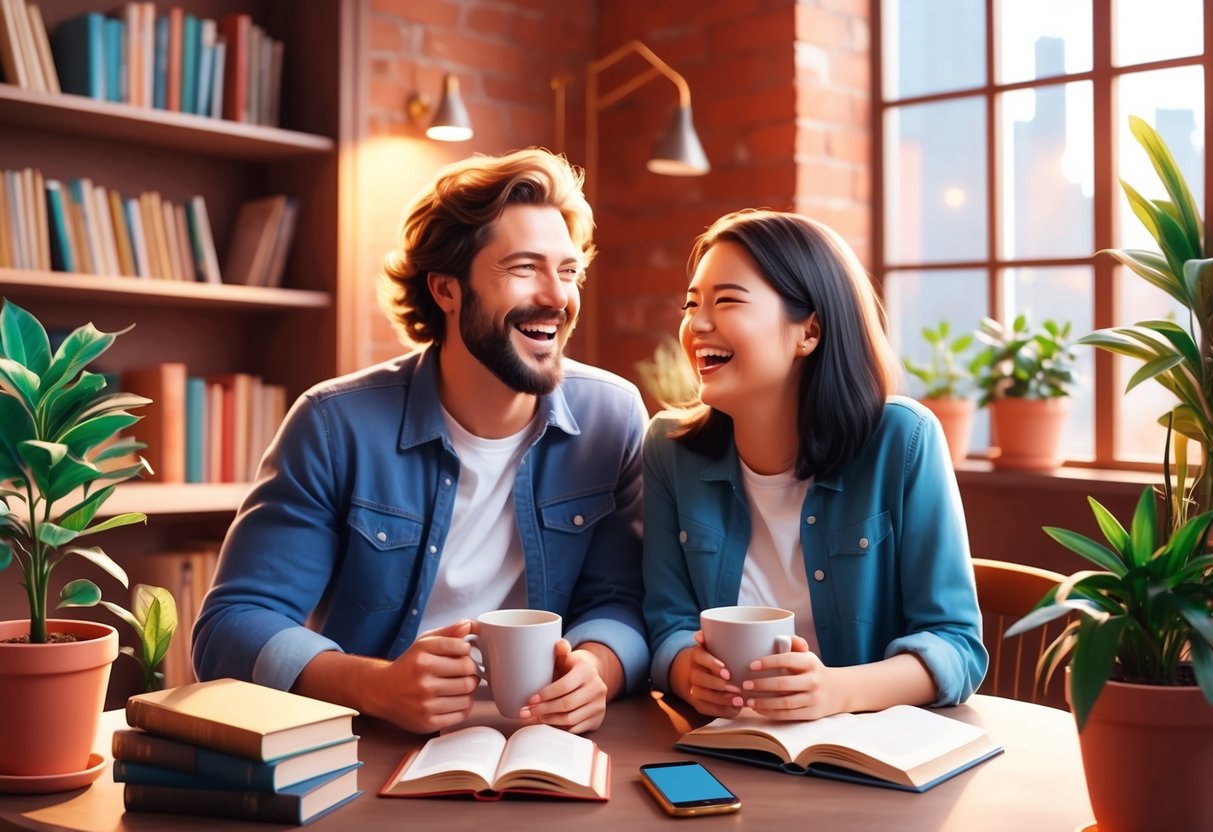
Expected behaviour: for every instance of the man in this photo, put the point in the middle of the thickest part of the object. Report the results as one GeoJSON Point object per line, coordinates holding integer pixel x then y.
{"type": "Point", "coordinates": [485, 471]}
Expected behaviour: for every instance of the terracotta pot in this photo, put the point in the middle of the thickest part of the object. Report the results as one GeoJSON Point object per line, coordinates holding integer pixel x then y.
{"type": "Point", "coordinates": [1028, 432]}
{"type": "Point", "coordinates": [51, 697]}
{"type": "Point", "coordinates": [956, 417]}
{"type": "Point", "coordinates": [1145, 749]}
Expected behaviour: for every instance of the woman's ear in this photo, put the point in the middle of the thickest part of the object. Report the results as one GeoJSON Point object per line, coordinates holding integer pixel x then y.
{"type": "Point", "coordinates": [811, 336]}
{"type": "Point", "coordinates": [445, 290]}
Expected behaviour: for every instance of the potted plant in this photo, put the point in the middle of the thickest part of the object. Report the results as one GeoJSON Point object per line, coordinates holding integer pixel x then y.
{"type": "Point", "coordinates": [1026, 376]}
{"type": "Point", "coordinates": [946, 379]}
{"type": "Point", "coordinates": [1140, 679]}
{"type": "Point", "coordinates": [153, 617]}
{"type": "Point", "coordinates": [58, 425]}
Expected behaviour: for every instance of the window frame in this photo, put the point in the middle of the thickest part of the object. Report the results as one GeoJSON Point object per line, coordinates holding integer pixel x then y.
{"type": "Point", "coordinates": [1103, 76]}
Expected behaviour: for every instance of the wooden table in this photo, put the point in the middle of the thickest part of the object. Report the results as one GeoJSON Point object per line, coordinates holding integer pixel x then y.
{"type": "Point", "coordinates": [1037, 786]}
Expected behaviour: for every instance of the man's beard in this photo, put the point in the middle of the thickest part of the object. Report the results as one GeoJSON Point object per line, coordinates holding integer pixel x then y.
{"type": "Point", "coordinates": [493, 347]}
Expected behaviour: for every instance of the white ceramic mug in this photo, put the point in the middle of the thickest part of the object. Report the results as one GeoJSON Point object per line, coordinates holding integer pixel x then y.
{"type": "Point", "coordinates": [516, 654]}
{"type": "Point", "coordinates": [738, 635]}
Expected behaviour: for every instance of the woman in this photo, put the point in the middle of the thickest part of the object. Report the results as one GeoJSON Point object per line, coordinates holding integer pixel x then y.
{"type": "Point", "coordinates": [797, 482]}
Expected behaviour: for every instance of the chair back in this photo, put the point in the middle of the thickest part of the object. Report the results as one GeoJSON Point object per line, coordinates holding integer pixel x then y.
{"type": "Point", "coordinates": [1007, 592]}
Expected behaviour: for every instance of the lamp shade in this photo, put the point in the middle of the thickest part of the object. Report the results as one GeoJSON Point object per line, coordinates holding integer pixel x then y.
{"type": "Point", "coordinates": [451, 121]}
{"type": "Point", "coordinates": [678, 152]}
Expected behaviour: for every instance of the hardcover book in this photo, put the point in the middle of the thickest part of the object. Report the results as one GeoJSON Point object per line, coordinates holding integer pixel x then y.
{"type": "Point", "coordinates": [903, 747]}
{"type": "Point", "coordinates": [140, 757]}
{"type": "Point", "coordinates": [479, 761]}
{"type": "Point", "coordinates": [298, 804]}
{"type": "Point", "coordinates": [240, 718]}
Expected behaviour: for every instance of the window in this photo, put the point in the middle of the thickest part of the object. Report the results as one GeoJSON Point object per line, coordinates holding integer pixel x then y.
{"type": "Point", "coordinates": [1000, 142]}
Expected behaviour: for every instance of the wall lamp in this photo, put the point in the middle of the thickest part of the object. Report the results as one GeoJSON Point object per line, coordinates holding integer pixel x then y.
{"type": "Point", "coordinates": [451, 122]}
{"type": "Point", "coordinates": [677, 153]}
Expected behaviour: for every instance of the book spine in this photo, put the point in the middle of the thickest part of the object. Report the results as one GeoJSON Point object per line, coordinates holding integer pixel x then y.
{"type": "Point", "coordinates": [190, 46]}
{"type": "Point", "coordinates": [163, 79]}
{"type": "Point", "coordinates": [151, 717]}
{"type": "Point", "coordinates": [223, 803]}
{"type": "Point", "coordinates": [61, 252]}
{"type": "Point", "coordinates": [195, 429]}
{"type": "Point", "coordinates": [114, 37]}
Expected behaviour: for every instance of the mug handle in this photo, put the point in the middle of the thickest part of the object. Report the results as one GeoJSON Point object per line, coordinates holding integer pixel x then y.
{"type": "Point", "coordinates": [783, 644]}
{"type": "Point", "coordinates": [478, 657]}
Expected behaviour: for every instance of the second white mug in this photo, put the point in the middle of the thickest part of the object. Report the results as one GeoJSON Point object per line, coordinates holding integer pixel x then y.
{"type": "Point", "coordinates": [738, 635]}
{"type": "Point", "coordinates": [517, 654]}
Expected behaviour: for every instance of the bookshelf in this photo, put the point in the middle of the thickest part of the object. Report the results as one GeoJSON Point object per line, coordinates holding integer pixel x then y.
{"type": "Point", "coordinates": [286, 335]}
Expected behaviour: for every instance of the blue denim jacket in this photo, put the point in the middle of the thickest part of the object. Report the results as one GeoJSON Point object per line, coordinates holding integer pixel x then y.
{"type": "Point", "coordinates": [884, 543]}
{"type": "Point", "coordinates": [347, 521]}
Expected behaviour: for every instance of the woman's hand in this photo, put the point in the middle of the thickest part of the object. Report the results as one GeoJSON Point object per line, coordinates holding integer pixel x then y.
{"type": "Point", "coordinates": [805, 689]}
{"type": "Point", "coordinates": [702, 681]}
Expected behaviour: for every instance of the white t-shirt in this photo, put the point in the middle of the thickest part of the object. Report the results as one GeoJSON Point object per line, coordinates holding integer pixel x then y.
{"type": "Point", "coordinates": [481, 564]}
{"type": "Point", "coordinates": [774, 573]}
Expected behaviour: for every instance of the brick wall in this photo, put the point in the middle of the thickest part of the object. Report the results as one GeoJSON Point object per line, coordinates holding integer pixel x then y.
{"type": "Point", "coordinates": [780, 97]}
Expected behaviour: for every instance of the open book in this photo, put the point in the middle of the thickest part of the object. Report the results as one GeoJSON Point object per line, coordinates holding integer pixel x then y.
{"type": "Point", "coordinates": [903, 747]}
{"type": "Point", "coordinates": [480, 761]}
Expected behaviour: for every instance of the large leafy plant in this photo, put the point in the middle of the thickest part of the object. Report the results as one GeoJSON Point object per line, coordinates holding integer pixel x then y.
{"type": "Point", "coordinates": [945, 375]}
{"type": "Point", "coordinates": [1141, 616]}
{"type": "Point", "coordinates": [59, 459]}
{"type": "Point", "coordinates": [1175, 354]}
{"type": "Point", "coordinates": [1024, 361]}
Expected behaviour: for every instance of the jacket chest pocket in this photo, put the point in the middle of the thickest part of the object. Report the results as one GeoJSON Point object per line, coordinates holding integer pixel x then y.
{"type": "Point", "coordinates": [567, 529]}
{"type": "Point", "coordinates": [860, 557]}
{"type": "Point", "coordinates": [381, 554]}
{"type": "Point", "coordinates": [701, 546]}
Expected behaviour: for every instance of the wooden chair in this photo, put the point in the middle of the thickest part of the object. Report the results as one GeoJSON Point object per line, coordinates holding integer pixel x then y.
{"type": "Point", "coordinates": [1006, 592]}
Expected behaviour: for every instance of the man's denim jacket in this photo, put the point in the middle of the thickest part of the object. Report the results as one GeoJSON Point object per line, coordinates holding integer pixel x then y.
{"type": "Point", "coordinates": [345, 526]}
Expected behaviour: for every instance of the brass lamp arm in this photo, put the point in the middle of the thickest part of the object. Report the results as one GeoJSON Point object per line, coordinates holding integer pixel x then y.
{"type": "Point", "coordinates": [659, 67]}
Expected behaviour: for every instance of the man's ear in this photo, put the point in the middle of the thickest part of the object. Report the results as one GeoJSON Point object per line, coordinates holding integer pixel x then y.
{"type": "Point", "coordinates": [445, 290]}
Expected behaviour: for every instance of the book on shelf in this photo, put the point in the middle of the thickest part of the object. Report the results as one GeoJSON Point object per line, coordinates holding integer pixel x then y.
{"type": "Point", "coordinates": [240, 718]}
{"type": "Point", "coordinates": [254, 236]}
{"type": "Point", "coordinates": [115, 65]}
{"type": "Point", "coordinates": [195, 429]}
{"type": "Point", "coordinates": [163, 423]}
{"type": "Point", "coordinates": [236, 29]}
{"type": "Point", "coordinates": [12, 59]}
{"type": "Point", "coordinates": [61, 245]}
{"type": "Point", "coordinates": [298, 804]}
{"type": "Point", "coordinates": [202, 241]}
{"type": "Point", "coordinates": [903, 747]}
{"type": "Point", "coordinates": [78, 46]}
{"type": "Point", "coordinates": [140, 757]}
{"type": "Point", "coordinates": [166, 49]}
{"type": "Point", "coordinates": [42, 46]}
{"type": "Point", "coordinates": [480, 762]}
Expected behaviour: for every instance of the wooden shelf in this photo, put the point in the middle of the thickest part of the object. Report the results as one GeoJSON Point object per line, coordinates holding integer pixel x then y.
{"type": "Point", "coordinates": [103, 289]}
{"type": "Point", "coordinates": [77, 115]}
{"type": "Point", "coordinates": [161, 499]}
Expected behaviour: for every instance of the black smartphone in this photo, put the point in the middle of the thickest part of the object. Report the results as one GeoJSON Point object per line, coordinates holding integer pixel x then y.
{"type": "Point", "coordinates": [686, 788]}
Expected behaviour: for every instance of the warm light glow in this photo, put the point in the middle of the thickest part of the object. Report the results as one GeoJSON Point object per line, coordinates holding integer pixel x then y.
{"type": "Point", "coordinates": [953, 197]}
{"type": "Point", "coordinates": [448, 133]}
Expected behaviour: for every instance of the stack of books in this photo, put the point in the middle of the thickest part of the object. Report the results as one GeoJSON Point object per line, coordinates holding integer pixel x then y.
{"type": "Point", "coordinates": [227, 748]}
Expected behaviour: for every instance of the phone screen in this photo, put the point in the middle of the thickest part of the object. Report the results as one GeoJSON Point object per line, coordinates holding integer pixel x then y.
{"type": "Point", "coordinates": [686, 783]}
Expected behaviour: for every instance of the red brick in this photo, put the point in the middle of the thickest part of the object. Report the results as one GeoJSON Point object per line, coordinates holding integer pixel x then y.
{"type": "Point", "coordinates": [816, 25]}
{"type": "Point", "coordinates": [385, 35]}
{"type": "Point", "coordinates": [382, 68]}
{"type": "Point", "coordinates": [811, 140]}
{"type": "Point", "coordinates": [475, 51]}
{"type": "Point", "coordinates": [438, 12]}
{"type": "Point", "coordinates": [760, 107]}
{"type": "Point", "coordinates": [765, 31]}
{"type": "Point", "coordinates": [854, 8]}
{"type": "Point", "coordinates": [861, 187]}
{"type": "Point", "coordinates": [386, 95]}
{"type": "Point", "coordinates": [495, 22]}
{"type": "Point", "coordinates": [772, 142]}
{"type": "Point", "coordinates": [849, 145]}
{"type": "Point", "coordinates": [517, 90]}
{"type": "Point", "coordinates": [741, 72]}
{"type": "Point", "coordinates": [824, 179]}
{"type": "Point", "coordinates": [851, 70]}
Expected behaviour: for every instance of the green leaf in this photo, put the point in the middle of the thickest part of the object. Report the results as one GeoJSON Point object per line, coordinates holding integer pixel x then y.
{"type": "Point", "coordinates": [23, 381]}
{"type": "Point", "coordinates": [1172, 179]}
{"type": "Point", "coordinates": [1179, 338]}
{"type": "Point", "coordinates": [81, 514]}
{"type": "Point", "coordinates": [86, 435]}
{"type": "Point", "coordinates": [55, 536]}
{"type": "Point", "coordinates": [1111, 528]}
{"type": "Point", "coordinates": [125, 616]}
{"type": "Point", "coordinates": [1153, 267]}
{"type": "Point", "coordinates": [76, 352]}
{"type": "Point", "coordinates": [1143, 530]}
{"type": "Point", "coordinates": [1098, 554]}
{"type": "Point", "coordinates": [1042, 616]}
{"type": "Point", "coordinates": [79, 593]}
{"type": "Point", "coordinates": [1194, 273]}
{"type": "Point", "coordinates": [119, 475]}
{"type": "Point", "coordinates": [71, 473]}
{"type": "Point", "coordinates": [124, 446]}
{"type": "Point", "coordinates": [18, 428]}
{"type": "Point", "coordinates": [64, 407]}
{"type": "Point", "coordinates": [6, 556]}
{"type": "Point", "coordinates": [96, 556]}
{"type": "Point", "coordinates": [113, 403]}
{"type": "Point", "coordinates": [23, 339]}
{"type": "Point", "coordinates": [1094, 655]}
{"type": "Point", "coordinates": [128, 519]}
{"type": "Point", "coordinates": [1202, 666]}
{"type": "Point", "coordinates": [1153, 368]}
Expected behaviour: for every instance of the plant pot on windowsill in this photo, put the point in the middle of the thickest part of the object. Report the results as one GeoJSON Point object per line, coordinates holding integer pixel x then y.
{"type": "Point", "coordinates": [955, 415]}
{"type": "Point", "coordinates": [1028, 433]}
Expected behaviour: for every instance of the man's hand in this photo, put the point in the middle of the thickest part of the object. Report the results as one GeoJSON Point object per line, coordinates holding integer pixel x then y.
{"type": "Point", "coordinates": [431, 685]}
{"type": "Point", "coordinates": [577, 699]}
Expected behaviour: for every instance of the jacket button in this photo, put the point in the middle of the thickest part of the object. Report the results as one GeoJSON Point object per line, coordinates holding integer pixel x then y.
{"type": "Point", "coordinates": [819, 575]}
{"type": "Point", "coordinates": [433, 550]}
{"type": "Point", "coordinates": [578, 520]}
{"type": "Point", "coordinates": [381, 537]}
{"type": "Point", "coordinates": [682, 537]}
{"type": "Point", "coordinates": [863, 543]}
{"type": "Point", "coordinates": [811, 519]}
{"type": "Point", "coordinates": [447, 482]}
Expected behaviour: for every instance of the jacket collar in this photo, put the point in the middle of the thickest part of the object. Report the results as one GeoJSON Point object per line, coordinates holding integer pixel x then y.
{"type": "Point", "coordinates": [727, 468]}
{"type": "Point", "coordinates": [422, 419]}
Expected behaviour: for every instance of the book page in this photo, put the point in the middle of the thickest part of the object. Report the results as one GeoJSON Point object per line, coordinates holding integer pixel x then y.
{"type": "Point", "coordinates": [544, 748]}
{"type": "Point", "coordinates": [906, 736]}
{"type": "Point", "coordinates": [793, 736]}
{"type": "Point", "coordinates": [474, 749]}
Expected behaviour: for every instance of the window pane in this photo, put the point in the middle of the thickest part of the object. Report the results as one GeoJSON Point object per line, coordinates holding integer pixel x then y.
{"type": "Point", "coordinates": [1047, 172]}
{"type": "Point", "coordinates": [1173, 101]}
{"type": "Point", "coordinates": [1154, 30]}
{"type": "Point", "coordinates": [1043, 39]}
{"type": "Point", "coordinates": [935, 182]}
{"type": "Point", "coordinates": [917, 299]}
{"type": "Point", "coordinates": [1062, 294]}
{"type": "Point", "coordinates": [932, 46]}
{"type": "Point", "coordinates": [1138, 434]}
